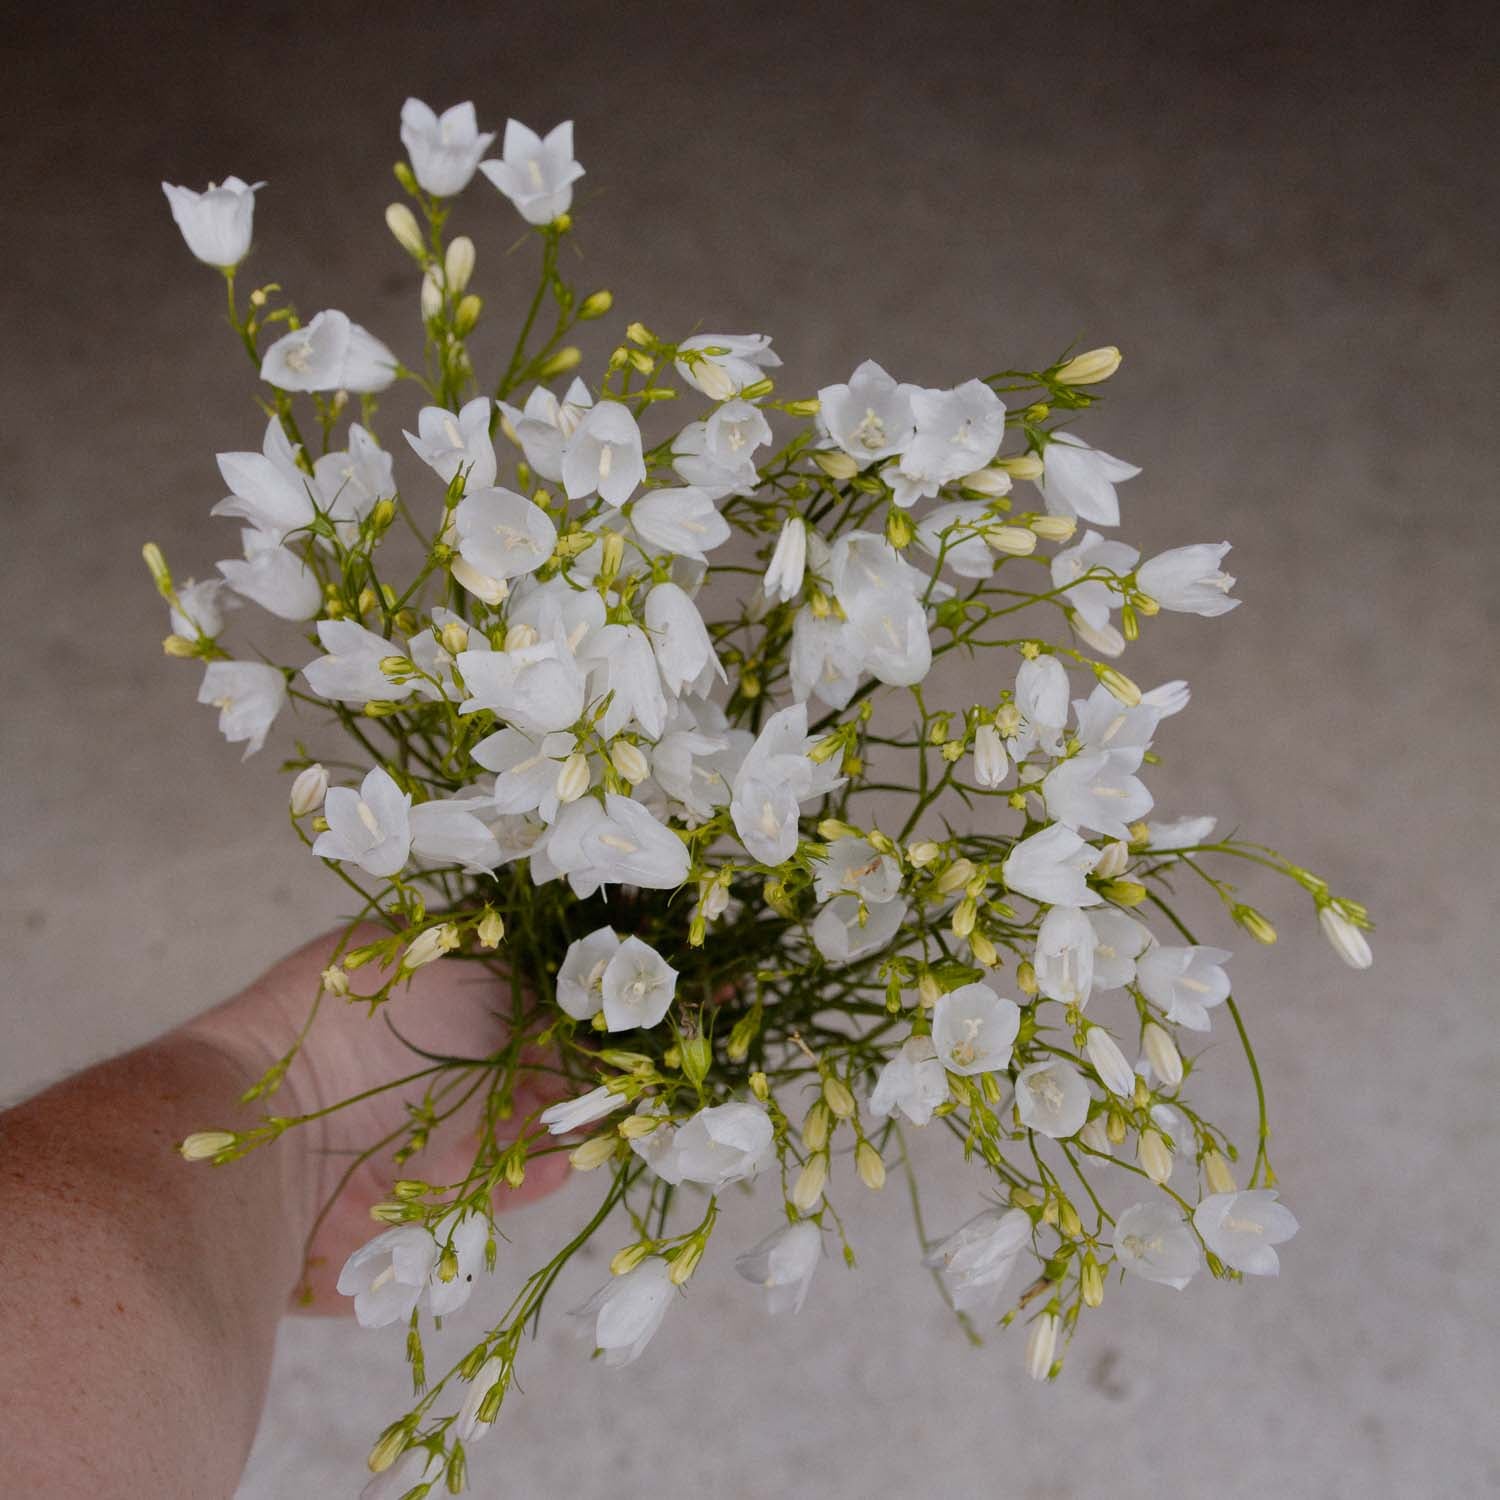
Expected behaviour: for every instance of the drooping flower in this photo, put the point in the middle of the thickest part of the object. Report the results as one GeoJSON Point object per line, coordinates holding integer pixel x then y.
{"type": "Point", "coordinates": [976, 1260]}
{"type": "Point", "coordinates": [415, 1467]}
{"type": "Point", "coordinates": [350, 671]}
{"type": "Point", "coordinates": [526, 769]}
{"type": "Point", "coordinates": [870, 418]}
{"type": "Point", "coordinates": [623, 666]}
{"type": "Point", "coordinates": [1042, 701]}
{"type": "Point", "coordinates": [443, 149]}
{"type": "Point", "coordinates": [684, 652]}
{"type": "Point", "coordinates": [1080, 481]}
{"type": "Point", "coordinates": [447, 441]}
{"type": "Point", "coordinates": [1041, 1346]}
{"type": "Point", "coordinates": [624, 1314]}
{"type": "Point", "coordinates": [370, 828]}
{"type": "Point", "coordinates": [217, 222]}
{"type": "Point", "coordinates": [1092, 601]}
{"type": "Point", "coordinates": [536, 174]}
{"type": "Point", "coordinates": [1153, 1241]}
{"type": "Point", "coordinates": [618, 844]}
{"type": "Point", "coordinates": [788, 563]}
{"type": "Point", "coordinates": [637, 986]}
{"type": "Point", "coordinates": [1184, 982]}
{"type": "Point", "coordinates": [1179, 833]}
{"type": "Point", "coordinates": [604, 455]}
{"type": "Point", "coordinates": [569, 1115]}
{"type": "Point", "coordinates": [973, 1029]}
{"type": "Point", "coordinates": [1119, 941]}
{"type": "Point", "coordinates": [1052, 1099]}
{"type": "Point", "coordinates": [783, 1263]}
{"type": "Point", "coordinates": [725, 363]}
{"type": "Point", "coordinates": [720, 1145]}
{"type": "Point", "coordinates": [991, 764]}
{"type": "Point", "coordinates": [273, 577]}
{"type": "Point", "coordinates": [330, 353]}
{"type": "Point", "coordinates": [248, 695]}
{"type": "Point", "coordinates": [1189, 580]}
{"type": "Point", "coordinates": [856, 866]}
{"type": "Point", "coordinates": [267, 489]}
{"type": "Point", "coordinates": [882, 597]}
{"type": "Point", "coordinates": [774, 778]}
{"type": "Point", "coordinates": [1064, 958]}
{"type": "Point", "coordinates": [197, 608]}
{"type": "Point", "coordinates": [400, 1269]}
{"type": "Point", "coordinates": [914, 1082]}
{"type": "Point", "coordinates": [1096, 792]}
{"type": "Point", "coordinates": [1052, 866]}
{"type": "Point", "coordinates": [1112, 1066]}
{"type": "Point", "coordinates": [1242, 1229]}
{"type": "Point", "coordinates": [467, 1424]}
{"type": "Point", "coordinates": [1345, 938]}
{"type": "Point", "coordinates": [846, 929]}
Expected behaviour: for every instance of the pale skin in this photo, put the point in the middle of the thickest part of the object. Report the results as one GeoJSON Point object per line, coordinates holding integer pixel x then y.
{"type": "Point", "coordinates": [139, 1293]}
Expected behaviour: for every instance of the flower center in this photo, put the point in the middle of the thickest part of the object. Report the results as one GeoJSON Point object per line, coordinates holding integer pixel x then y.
{"type": "Point", "coordinates": [871, 431]}
{"type": "Point", "coordinates": [368, 818]}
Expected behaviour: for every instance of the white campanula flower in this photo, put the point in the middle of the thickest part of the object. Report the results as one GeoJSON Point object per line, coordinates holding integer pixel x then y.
{"type": "Point", "coordinates": [1184, 982]}
{"type": "Point", "coordinates": [620, 843]}
{"type": "Point", "coordinates": [637, 986]}
{"type": "Point", "coordinates": [1080, 481]}
{"type": "Point", "coordinates": [217, 222]}
{"type": "Point", "coordinates": [399, 1270]}
{"type": "Point", "coordinates": [684, 652]}
{"type": "Point", "coordinates": [846, 929]}
{"type": "Point", "coordinates": [1345, 938]}
{"type": "Point", "coordinates": [448, 442]}
{"type": "Point", "coordinates": [545, 424]}
{"type": "Point", "coordinates": [352, 481]}
{"type": "Point", "coordinates": [415, 1467]}
{"type": "Point", "coordinates": [526, 769]}
{"type": "Point", "coordinates": [1064, 959]}
{"type": "Point", "coordinates": [788, 563]}
{"type": "Point", "coordinates": [1118, 941]}
{"type": "Point", "coordinates": [718, 455]}
{"type": "Point", "coordinates": [1242, 1229]}
{"type": "Point", "coordinates": [267, 489]}
{"type": "Point", "coordinates": [569, 1115]}
{"type": "Point", "coordinates": [580, 977]}
{"type": "Point", "coordinates": [914, 1082]}
{"type": "Point", "coordinates": [624, 1314]}
{"type": "Point", "coordinates": [350, 671]}
{"type": "Point", "coordinates": [870, 418]}
{"type": "Point", "coordinates": [1180, 833]}
{"type": "Point", "coordinates": [685, 765]}
{"type": "Point", "coordinates": [248, 695]}
{"type": "Point", "coordinates": [370, 828]}
{"type": "Point", "coordinates": [1041, 1347]}
{"type": "Point", "coordinates": [604, 455]}
{"type": "Point", "coordinates": [197, 608]}
{"type": "Point", "coordinates": [444, 149]}
{"type": "Point", "coordinates": [1052, 866]}
{"type": "Point", "coordinates": [1107, 726]}
{"type": "Point", "coordinates": [976, 1260]}
{"type": "Point", "coordinates": [329, 354]}
{"type": "Point", "coordinates": [1152, 1241]}
{"type": "Point", "coordinates": [467, 1426]}
{"type": "Point", "coordinates": [783, 1263]}
{"type": "Point", "coordinates": [1189, 580]}
{"type": "Point", "coordinates": [1092, 601]}
{"type": "Point", "coordinates": [955, 532]}
{"type": "Point", "coordinates": [503, 534]}
{"type": "Point", "coordinates": [855, 865]}
{"type": "Point", "coordinates": [991, 764]}
{"type": "Point", "coordinates": [538, 688]}
{"type": "Point", "coordinates": [717, 1146]}
{"type": "Point", "coordinates": [1052, 1099]}
{"type": "Point", "coordinates": [536, 174]}
{"type": "Point", "coordinates": [1096, 792]}
{"type": "Point", "coordinates": [826, 659]}
{"type": "Point", "coordinates": [622, 664]}
{"type": "Point", "coordinates": [1112, 1066]}
{"type": "Point", "coordinates": [452, 831]}
{"type": "Point", "coordinates": [882, 599]}
{"type": "Point", "coordinates": [273, 577]}
{"type": "Point", "coordinates": [774, 778]}
{"type": "Point", "coordinates": [973, 1029]}
{"type": "Point", "coordinates": [957, 432]}
{"type": "Point", "coordinates": [726, 362]}
{"type": "Point", "coordinates": [681, 520]}
{"type": "Point", "coordinates": [1042, 701]}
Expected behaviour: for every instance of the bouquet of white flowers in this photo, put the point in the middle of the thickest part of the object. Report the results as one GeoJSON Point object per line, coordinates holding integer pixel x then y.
{"type": "Point", "coordinates": [642, 726]}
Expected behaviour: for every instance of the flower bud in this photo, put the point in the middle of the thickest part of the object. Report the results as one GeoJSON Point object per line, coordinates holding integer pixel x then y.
{"type": "Point", "coordinates": [1345, 938]}
{"type": "Point", "coordinates": [638, 333]}
{"type": "Point", "coordinates": [179, 646]}
{"type": "Point", "coordinates": [868, 1164]}
{"type": "Point", "coordinates": [929, 991]}
{"type": "Point", "coordinates": [156, 565]}
{"type": "Point", "coordinates": [1217, 1174]}
{"type": "Point", "coordinates": [611, 555]}
{"type": "Point", "coordinates": [402, 223]}
{"type": "Point", "coordinates": [334, 980]}
{"type": "Point", "coordinates": [388, 1448]}
{"type": "Point", "coordinates": [596, 304]}
{"type": "Point", "coordinates": [633, 1127]}
{"type": "Point", "coordinates": [1154, 1156]}
{"type": "Point", "coordinates": [203, 1145]}
{"type": "Point", "coordinates": [991, 482]}
{"type": "Point", "coordinates": [959, 873]}
{"type": "Point", "coordinates": [760, 1086]}
{"type": "Point", "coordinates": [991, 764]}
{"type": "Point", "coordinates": [898, 528]}
{"type": "Point", "coordinates": [985, 952]}
{"type": "Point", "coordinates": [1161, 1052]}
{"type": "Point", "coordinates": [838, 1098]}
{"type": "Point", "coordinates": [922, 853]}
{"type": "Point", "coordinates": [1013, 541]}
{"type": "Point", "coordinates": [566, 358]}
{"type": "Point", "coordinates": [815, 1127]}
{"type": "Point", "coordinates": [1022, 466]}
{"type": "Point", "coordinates": [308, 790]}
{"type": "Point", "coordinates": [1109, 1062]}
{"type": "Point", "coordinates": [1112, 860]}
{"type": "Point", "coordinates": [629, 1258]}
{"type": "Point", "coordinates": [458, 264]}
{"type": "Point", "coordinates": [836, 464]}
{"type": "Point", "coordinates": [594, 1152]}
{"type": "Point", "coordinates": [1119, 685]}
{"type": "Point", "coordinates": [429, 945]}
{"type": "Point", "coordinates": [1114, 1127]}
{"type": "Point", "coordinates": [697, 1058]}
{"type": "Point", "coordinates": [1026, 980]}
{"type": "Point", "coordinates": [573, 778]}
{"type": "Point", "coordinates": [1091, 1281]}
{"type": "Point", "coordinates": [1095, 1136]}
{"type": "Point", "coordinates": [685, 1262]}
{"type": "Point", "coordinates": [1054, 528]}
{"type": "Point", "coordinates": [1255, 924]}
{"type": "Point", "coordinates": [964, 915]}
{"type": "Point", "coordinates": [713, 379]}
{"type": "Point", "coordinates": [630, 761]}
{"type": "Point", "coordinates": [1124, 892]}
{"type": "Point", "coordinates": [1090, 368]}
{"type": "Point", "coordinates": [1041, 1347]}
{"type": "Point", "coordinates": [1068, 1220]}
{"type": "Point", "coordinates": [808, 1188]}
{"type": "Point", "coordinates": [466, 314]}
{"type": "Point", "coordinates": [490, 928]}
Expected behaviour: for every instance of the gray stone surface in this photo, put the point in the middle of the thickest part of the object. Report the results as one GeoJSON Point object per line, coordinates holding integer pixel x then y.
{"type": "Point", "coordinates": [1284, 221]}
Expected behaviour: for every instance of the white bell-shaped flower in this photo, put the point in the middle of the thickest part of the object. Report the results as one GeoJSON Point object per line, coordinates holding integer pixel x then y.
{"type": "Point", "coordinates": [783, 1263]}
{"type": "Point", "coordinates": [216, 223]}
{"type": "Point", "coordinates": [370, 828]}
{"type": "Point", "coordinates": [870, 417]}
{"type": "Point", "coordinates": [1185, 982]}
{"type": "Point", "coordinates": [443, 149]}
{"type": "Point", "coordinates": [973, 1029]}
{"type": "Point", "coordinates": [537, 174]}
{"type": "Point", "coordinates": [1189, 580]}
{"type": "Point", "coordinates": [847, 929]}
{"type": "Point", "coordinates": [976, 1260]}
{"type": "Point", "coordinates": [725, 363]}
{"type": "Point", "coordinates": [637, 986]}
{"type": "Point", "coordinates": [1052, 866]}
{"type": "Point", "coordinates": [914, 1082]}
{"type": "Point", "coordinates": [624, 1314]}
{"type": "Point", "coordinates": [450, 442]}
{"type": "Point", "coordinates": [1064, 958]}
{"type": "Point", "coordinates": [1080, 481]}
{"type": "Point", "coordinates": [1052, 1099]}
{"type": "Point", "coordinates": [248, 695]}
{"type": "Point", "coordinates": [580, 977]}
{"type": "Point", "coordinates": [1242, 1229]}
{"type": "Point", "coordinates": [604, 455]}
{"type": "Point", "coordinates": [1153, 1241]}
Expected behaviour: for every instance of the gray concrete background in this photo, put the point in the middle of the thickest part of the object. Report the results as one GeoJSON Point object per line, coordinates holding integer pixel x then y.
{"type": "Point", "coordinates": [1285, 219]}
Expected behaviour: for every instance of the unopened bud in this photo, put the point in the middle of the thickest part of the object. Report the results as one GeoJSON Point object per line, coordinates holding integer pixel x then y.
{"type": "Point", "coordinates": [628, 1258]}
{"type": "Point", "coordinates": [685, 1262]}
{"type": "Point", "coordinates": [334, 980]}
{"type": "Point", "coordinates": [809, 406]}
{"type": "Point", "coordinates": [991, 482]}
{"type": "Point", "coordinates": [808, 1188]}
{"type": "Point", "coordinates": [1095, 1136]}
{"type": "Point", "coordinates": [1022, 466]}
{"type": "Point", "coordinates": [868, 1164]}
{"type": "Point", "coordinates": [964, 915]}
{"type": "Point", "coordinates": [1091, 1282]}
{"type": "Point", "coordinates": [308, 790]}
{"type": "Point", "coordinates": [1345, 938]}
{"type": "Point", "coordinates": [388, 1449]}
{"type": "Point", "coordinates": [985, 952]}
{"type": "Point", "coordinates": [1154, 1156]}
{"type": "Point", "coordinates": [466, 314]}
{"type": "Point", "coordinates": [179, 646]}
{"type": "Point", "coordinates": [567, 358]}
{"type": "Point", "coordinates": [156, 565]}
{"type": "Point", "coordinates": [203, 1145]}
{"type": "Point", "coordinates": [402, 223]}
{"type": "Point", "coordinates": [815, 1125]}
{"type": "Point", "coordinates": [1041, 1347]}
{"type": "Point", "coordinates": [1090, 368]}
{"type": "Point", "coordinates": [573, 778]}
{"type": "Point", "coordinates": [596, 304]}
{"type": "Point", "coordinates": [697, 1058]}
{"type": "Point", "coordinates": [1014, 541]}
{"type": "Point", "coordinates": [1026, 980]}
{"type": "Point", "coordinates": [1124, 892]}
{"type": "Point", "coordinates": [490, 928]}
{"type": "Point", "coordinates": [958, 874]}
{"type": "Point", "coordinates": [836, 464]}
{"type": "Point", "coordinates": [1161, 1052]}
{"type": "Point", "coordinates": [431, 300]}
{"type": "Point", "coordinates": [922, 853]}
{"type": "Point", "coordinates": [1255, 924]}
{"type": "Point", "coordinates": [1217, 1174]}
{"type": "Point", "coordinates": [458, 264]}
{"type": "Point", "coordinates": [929, 991]}
{"type": "Point", "coordinates": [898, 528]}
{"type": "Point", "coordinates": [594, 1152]}
{"type": "Point", "coordinates": [630, 761]}
{"type": "Point", "coordinates": [634, 1127]}
{"type": "Point", "coordinates": [1119, 685]}
{"type": "Point", "coordinates": [838, 1098]}
{"type": "Point", "coordinates": [760, 1086]}
{"type": "Point", "coordinates": [612, 554]}
{"type": "Point", "coordinates": [1054, 528]}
